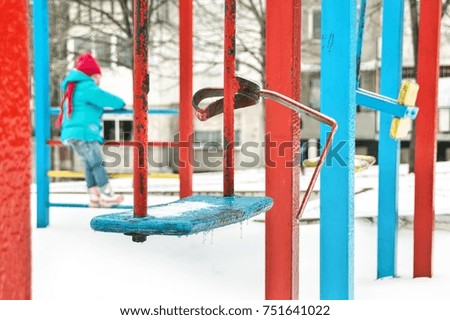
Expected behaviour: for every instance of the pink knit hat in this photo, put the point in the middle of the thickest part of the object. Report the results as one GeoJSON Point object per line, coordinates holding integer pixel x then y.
{"type": "Point", "coordinates": [87, 64]}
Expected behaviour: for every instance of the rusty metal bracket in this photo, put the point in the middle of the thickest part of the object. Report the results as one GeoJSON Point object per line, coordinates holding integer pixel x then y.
{"type": "Point", "coordinates": [247, 95]}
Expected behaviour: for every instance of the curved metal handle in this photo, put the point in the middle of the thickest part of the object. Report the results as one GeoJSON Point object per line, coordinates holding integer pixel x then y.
{"type": "Point", "coordinates": [248, 94]}
{"type": "Point", "coordinates": [298, 107]}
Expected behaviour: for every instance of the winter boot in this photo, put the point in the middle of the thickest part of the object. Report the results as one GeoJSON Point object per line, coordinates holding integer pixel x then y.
{"type": "Point", "coordinates": [94, 197]}
{"type": "Point", "coordinates": [108, 198]}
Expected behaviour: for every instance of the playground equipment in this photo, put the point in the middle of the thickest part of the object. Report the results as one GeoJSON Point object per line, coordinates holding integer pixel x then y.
{"type": "Point", "coordinates": [283, 70]}
{"type": "Point", "coordinates": [203, 213]}
{"type": "Point", "coordinates": [15, 154]}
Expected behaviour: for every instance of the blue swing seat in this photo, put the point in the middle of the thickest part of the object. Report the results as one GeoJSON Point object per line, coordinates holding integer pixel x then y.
{"type": "Point", "coordinates": [184, 217]}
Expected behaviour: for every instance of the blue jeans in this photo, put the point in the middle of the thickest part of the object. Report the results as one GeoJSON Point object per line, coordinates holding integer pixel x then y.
{"type": "Point", "coordinates": [92, 156]}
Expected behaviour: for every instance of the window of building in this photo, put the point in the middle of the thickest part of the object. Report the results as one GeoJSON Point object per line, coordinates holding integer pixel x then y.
{"type": "Point", "coordinates": [82, 44]}
{"type": "Point", "coordinates": [410, 72]}
{"type": "Point", "coordinates": [109, 130]}
{"type": "Point", "coordinates": [118, 130]}
{"type": "Point", "coordinates": [444, 120]}
{"type": "Point", "coordinates": [314, 94]}
{"type": "Point", "coordinates": [444, 71]}
{"type": "Point", "coordinates": [103, 49]}
{"type": "Point", "coordinates": [126, 130]}
{"type": "Point", "coordinates": [237, 138]}
{"type": "Point", "coordinates": [100, 45]}
{"type": "Point", "coordinates": [202, 138]}
{"type": "Point", "coordinates": [214, 138]}
{"type": "Point", "coordinates": [315, 24]}
{"type": "Point", "coordinates": [377, 122]}
{"type": "Point", "coordinates": [124, 52]}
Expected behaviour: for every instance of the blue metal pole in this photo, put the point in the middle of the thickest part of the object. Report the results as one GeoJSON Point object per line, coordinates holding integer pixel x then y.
{"type": "Point", "coordinates": [338, 100]}
{"type": "Point", "coordinates": [42, 110]}
{"type": "Point", "coordinates": [389, 149]}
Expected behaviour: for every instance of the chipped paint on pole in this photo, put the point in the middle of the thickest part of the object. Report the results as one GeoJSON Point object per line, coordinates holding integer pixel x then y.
{"type": "Point", "coordinates": [140, 103]}
{"type": "Point", "coordinates": [230, 87]}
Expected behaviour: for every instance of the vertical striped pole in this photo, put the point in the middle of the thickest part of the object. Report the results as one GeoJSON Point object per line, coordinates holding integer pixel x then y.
{"type": "Point", "coordinates": [140, 102]}
{"type": "Point", "coordinates": [338, 95]}
{"type": "Point", "coordinates": [389, 149]}
{"type": "Point", "coordinates": [42, 108]}
{"type": "Point", "coordinates": [426, 126]}
{"type": "Point", "coordinates": [282, 149]}
{"type": "Point", "coordinates": [15, 154]}
{"type": "Point", "coordinates": [186, 121]}
{"type": "Point", "coordinates": [229, 92]}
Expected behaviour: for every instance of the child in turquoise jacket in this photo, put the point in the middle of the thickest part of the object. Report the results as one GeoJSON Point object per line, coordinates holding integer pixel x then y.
{"type": "Point", "coordinates": [80, 120]}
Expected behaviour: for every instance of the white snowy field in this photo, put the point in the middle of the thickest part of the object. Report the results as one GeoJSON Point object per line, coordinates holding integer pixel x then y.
{"type": "Point", "coordinates": [70, 261]}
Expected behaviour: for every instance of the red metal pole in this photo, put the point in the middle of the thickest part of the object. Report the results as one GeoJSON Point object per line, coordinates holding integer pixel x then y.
{"type": "Point", "coordinates": [230, 86]}
{"type": "Point", "coordinates": [426, 126]}
{"type": "Point", "coordinates": [15, 152]}
{"type": "Point", "coordinates": [140, 102]}
{"type": "Point", "coordinates": [186, 119]}
{"type": "Point", "coordinates": [282, 148]}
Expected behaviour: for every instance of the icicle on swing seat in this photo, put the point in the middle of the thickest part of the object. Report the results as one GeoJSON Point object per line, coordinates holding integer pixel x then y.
{"type": "Point", "coordinates": [203, 213]}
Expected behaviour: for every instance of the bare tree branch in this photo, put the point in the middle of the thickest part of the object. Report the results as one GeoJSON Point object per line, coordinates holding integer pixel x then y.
{"type": "Point", "coordinates": [445, 7]}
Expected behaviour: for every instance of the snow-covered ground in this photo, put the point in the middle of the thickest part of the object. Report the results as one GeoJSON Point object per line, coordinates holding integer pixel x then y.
{"type": "Point", "coordinates": [70, 261]}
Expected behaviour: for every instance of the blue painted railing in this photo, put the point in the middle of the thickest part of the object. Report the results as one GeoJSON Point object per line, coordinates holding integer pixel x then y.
{"type": "Point", "coordinates": [55, 111]}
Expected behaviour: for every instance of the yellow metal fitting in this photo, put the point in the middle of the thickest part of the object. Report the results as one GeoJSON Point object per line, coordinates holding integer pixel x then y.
{"type": "Point", "coordinates": [407, 96]}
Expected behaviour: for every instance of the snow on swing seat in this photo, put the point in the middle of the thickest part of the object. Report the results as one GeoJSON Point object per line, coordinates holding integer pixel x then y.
{"type": "Point", "coordinates": [185, 217]}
